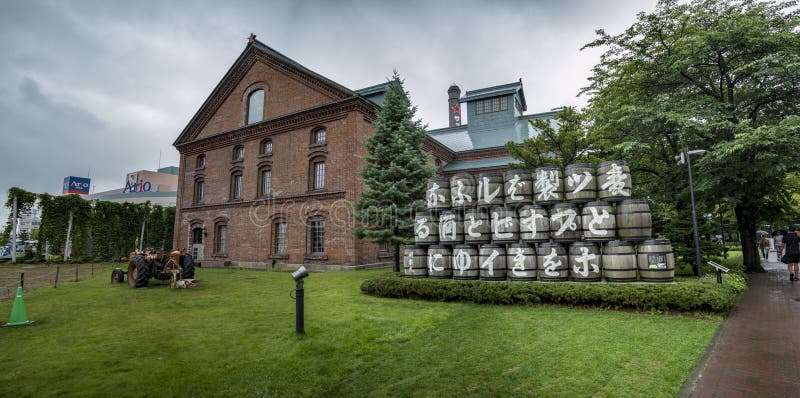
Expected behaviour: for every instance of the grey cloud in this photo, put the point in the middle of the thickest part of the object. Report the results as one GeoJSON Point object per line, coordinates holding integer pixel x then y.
{"type": "Point", "coordinates": [107, 84]}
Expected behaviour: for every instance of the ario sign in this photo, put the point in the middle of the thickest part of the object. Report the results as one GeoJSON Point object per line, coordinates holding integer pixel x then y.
{"type": "Point", "coordinates": [76, 185]}
{"type": "Point", "coordinates": [135, 184]}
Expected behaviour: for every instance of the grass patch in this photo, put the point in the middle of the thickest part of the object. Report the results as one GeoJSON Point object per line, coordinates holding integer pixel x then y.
{"type": "Point", "coordinates": [234, 336]}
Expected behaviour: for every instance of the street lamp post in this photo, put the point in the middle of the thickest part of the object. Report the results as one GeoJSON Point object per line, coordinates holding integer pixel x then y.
{"type": "Point", "coordinates": [687, 155]}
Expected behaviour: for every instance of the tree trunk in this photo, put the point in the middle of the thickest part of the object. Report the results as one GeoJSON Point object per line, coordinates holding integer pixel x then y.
{"type": "Point", "coordinates": [746, 220]}
{"type": "Point", "coordinates": [396, 258]}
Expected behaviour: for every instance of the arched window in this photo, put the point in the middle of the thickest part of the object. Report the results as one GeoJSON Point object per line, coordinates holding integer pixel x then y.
{"type": "Point", "coordinates": [199, 191]}
{"type": "Point", "coordinates": [266, 147]}
{"type": "Point", "coordinates": [317, 173]}
{"type": "Point", "coordinates": [255, 107]}
{"type": "Point", "coordinates": [264, 182]}
{"type": "Point", "coordinates": [238, 153]}
{"type": "Point", "coordinates": [319, 136]}
{"type": "Point", "coordinates": [236, 185]}
{"type": "Point", "coordinates": [220, 238]}
{"type": "Point", "coordinates": [197, 236]}
{"type": "Point", "coordinates": [200, 162]}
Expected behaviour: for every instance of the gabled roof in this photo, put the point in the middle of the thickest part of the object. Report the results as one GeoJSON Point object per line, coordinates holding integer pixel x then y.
{"type": "Point", "coordinates": [245, 59]}
{"type": "Point", "coordinates": [503, 89]}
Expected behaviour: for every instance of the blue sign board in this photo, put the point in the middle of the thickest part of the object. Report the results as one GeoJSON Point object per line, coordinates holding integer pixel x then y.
{"type": "Point", "coordinates": [78, 185]}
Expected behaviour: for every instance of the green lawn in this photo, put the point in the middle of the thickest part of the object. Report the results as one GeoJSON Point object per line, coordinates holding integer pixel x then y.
{"type": "Point", "coordinates": [234, 336]}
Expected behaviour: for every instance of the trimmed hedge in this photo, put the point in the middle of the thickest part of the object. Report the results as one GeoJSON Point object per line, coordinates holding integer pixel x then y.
{"type": "Point", "coordinates": [690, 295]}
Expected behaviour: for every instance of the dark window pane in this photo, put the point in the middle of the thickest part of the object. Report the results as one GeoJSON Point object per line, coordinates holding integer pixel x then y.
{"type": "Point", "coordinates": [237, 186]}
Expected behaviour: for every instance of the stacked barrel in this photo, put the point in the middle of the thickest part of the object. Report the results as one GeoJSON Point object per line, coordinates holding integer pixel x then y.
{"type": "Point", "coordinates": [552, 224]}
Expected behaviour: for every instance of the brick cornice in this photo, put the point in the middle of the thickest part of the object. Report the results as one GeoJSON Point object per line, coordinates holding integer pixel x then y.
{"type": "Point", "coordinates": [264, 201]}
{"type": "Point", "coordinates": [302, 119]}
{"type": "Point", "coordinates": [498, 151]}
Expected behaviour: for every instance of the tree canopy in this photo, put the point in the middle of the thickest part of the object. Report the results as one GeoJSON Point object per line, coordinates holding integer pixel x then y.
{"type": "Point", "coordinates": [395, 173]}
{"type": "Point", "coordinates": [719, 75]}
{"type": "Point", "coordinates": [563, 141]}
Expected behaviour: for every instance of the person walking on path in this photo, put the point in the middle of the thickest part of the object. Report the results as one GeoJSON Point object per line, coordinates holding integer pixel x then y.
{"type": "Point", "coordinates": [778, 238]}
{"type": "Point", "coordinates": [791, 249]}
{"type": "Point", "coordinates": [764, 245]}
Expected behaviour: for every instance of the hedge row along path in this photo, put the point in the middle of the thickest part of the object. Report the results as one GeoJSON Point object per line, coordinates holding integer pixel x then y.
{"type": "Point", "coordinates": [756, 350]}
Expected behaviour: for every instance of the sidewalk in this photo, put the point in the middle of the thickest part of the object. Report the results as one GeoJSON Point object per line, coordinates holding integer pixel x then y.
{"type": "Point", "coordinates": [756, 352]}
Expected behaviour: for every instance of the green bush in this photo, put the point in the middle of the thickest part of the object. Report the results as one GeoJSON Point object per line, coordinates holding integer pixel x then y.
{"type": "Point", "coordinates": [686, 295]}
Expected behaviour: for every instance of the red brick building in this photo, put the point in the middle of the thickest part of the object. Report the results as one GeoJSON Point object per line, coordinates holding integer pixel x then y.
{"type": "Point", "coordinates": [269, 163]}
{"type": "Point", "coordinates": [269, 167]}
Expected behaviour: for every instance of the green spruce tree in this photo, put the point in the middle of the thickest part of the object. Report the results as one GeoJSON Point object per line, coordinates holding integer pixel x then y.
{"type": "Point", "coordinates": [395, 174]}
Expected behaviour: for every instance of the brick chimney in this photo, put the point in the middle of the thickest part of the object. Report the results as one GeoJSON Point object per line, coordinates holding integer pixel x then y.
{"type": "Point", "coordinates": [453, 93]}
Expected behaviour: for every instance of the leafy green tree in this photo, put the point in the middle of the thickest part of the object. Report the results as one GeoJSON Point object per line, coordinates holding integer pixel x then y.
{"type": "Point", "coordinates": [395, 173]}
{"type": "Point", "coordinates": [562, 143]}
{"type": "Point", "coordinates": [25, 202]}
{"type": "Point", "coordinates": [719, 75]}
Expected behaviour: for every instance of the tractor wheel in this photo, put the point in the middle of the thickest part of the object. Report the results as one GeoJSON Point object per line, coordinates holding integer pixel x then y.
{"type": "Point", "coordinates": [187, 265]}
{"type": "Point", "coordinates": [138, 272]}
{"type": "Point", "coordinates": [117, 276]}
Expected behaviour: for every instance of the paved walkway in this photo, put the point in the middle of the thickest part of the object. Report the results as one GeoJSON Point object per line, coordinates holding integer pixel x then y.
{"type": "Point", "coordinates": [756, 352]}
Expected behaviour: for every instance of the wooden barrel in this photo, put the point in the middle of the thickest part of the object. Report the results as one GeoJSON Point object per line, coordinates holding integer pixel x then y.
{"type": "Point", "coordinates": [580, 183]}
{"type": "Point", "coordinates": [534, 224]}
{"type": "Point", "coordinates": [565, 223]}
{"type": "Point", "coordinates": [492, 259]}
{"type": "Point", "coordinates": [634, 221]}
{"type": "Point", "coordinates": [415, 261]}
{"type": "Point", "coordinates": [548, 186]}
{"type": "Point", "coordinates": [437, 196]}
{"type": "Point", "coordinates": [619, 261]}
{"type": "Point", "coordinates": [518, 187]}
{"type": "Point", "coordinates": [656, 261]}
{"type": "Point", "coordinates": [552, 262]}
{"type": "Point", "coordinates": [463, 193]}
{"type": "Point", "coordinates": [490, 189]}
{"type": "Point", "coordinates": [521, 262]}
{"type": "Point", "coordinates": [465, 262]}
{"type": "Point", "coordinates": [505, 225]}
{"type": "Point", "coordinates": [598, 221]}
{"type": "Point", "coordinates": [451, 227]}
{"type": "Point", "coordinates": [613, 180]}
{"type": "Point", "coordinates": [585, 262]}
{"type": "Point", "coordinates": [477, 226]}
{"type": "Point", "coordinates": [440, 264]}
{"type": "Point", "coordinates": [426, 228]}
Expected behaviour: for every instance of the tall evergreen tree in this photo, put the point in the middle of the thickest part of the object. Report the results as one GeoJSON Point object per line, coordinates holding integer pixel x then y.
{"type": "Point", "coordinates": [395, 173]}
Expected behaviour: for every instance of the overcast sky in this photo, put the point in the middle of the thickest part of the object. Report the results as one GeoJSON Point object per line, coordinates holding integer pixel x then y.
{"type": "Point", "coordinates": [105, 85]}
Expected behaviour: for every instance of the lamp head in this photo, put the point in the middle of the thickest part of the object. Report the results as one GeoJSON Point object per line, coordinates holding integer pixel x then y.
{"type": "Point", "coordinates": [301, 273]}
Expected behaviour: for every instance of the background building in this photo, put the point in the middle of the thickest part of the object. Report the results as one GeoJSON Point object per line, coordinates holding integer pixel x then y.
{"type": "Point", "coordinates": [495, 116]}
{"type": "Point", "coordinates": [159, 187]}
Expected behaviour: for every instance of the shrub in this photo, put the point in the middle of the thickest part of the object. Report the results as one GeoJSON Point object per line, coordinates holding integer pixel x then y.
{"type": "Point", "coordinates": [685, 295]}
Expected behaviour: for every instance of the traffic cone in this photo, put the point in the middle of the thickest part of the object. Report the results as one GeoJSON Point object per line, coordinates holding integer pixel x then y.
{"type": "Point", "coordinates": [18, 315]}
